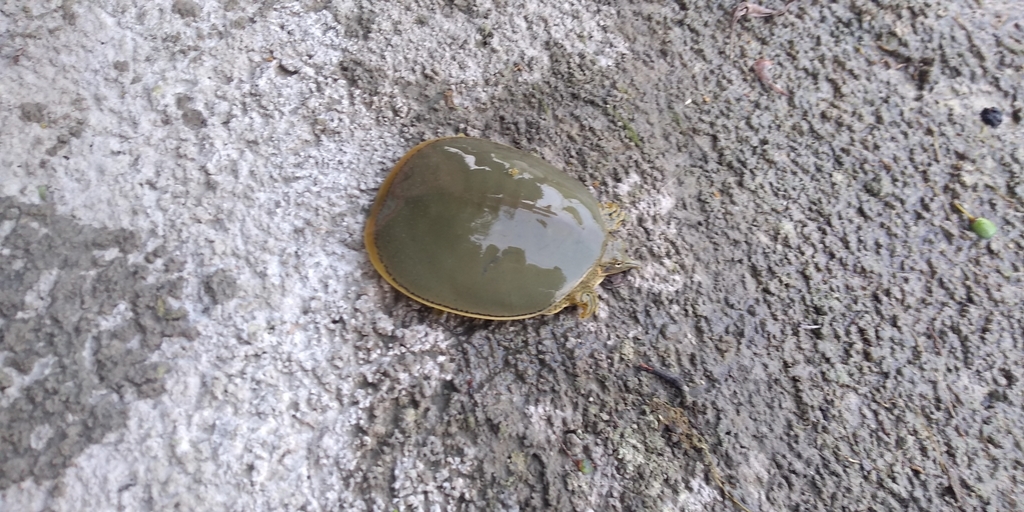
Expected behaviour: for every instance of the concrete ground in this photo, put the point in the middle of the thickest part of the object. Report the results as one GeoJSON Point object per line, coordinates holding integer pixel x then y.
{"type": "Point", "coordinates": [189, 319]}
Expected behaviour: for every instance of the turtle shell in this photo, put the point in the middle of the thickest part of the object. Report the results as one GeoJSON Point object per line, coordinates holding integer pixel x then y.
{"type": "Point", "coordinates": [485, 230]}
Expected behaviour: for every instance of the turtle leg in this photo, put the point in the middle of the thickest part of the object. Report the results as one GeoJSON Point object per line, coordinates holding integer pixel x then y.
{"type": "Point", "coordinates": [587, 301]}
{"type": "Point", "coordinates": [612, 216]}
{"type": "Point", "coordinates": [558, 306]}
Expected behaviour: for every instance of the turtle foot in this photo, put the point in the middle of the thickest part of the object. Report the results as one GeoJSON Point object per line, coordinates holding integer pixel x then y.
{"type": "Point", "coordinates": [587, 301]}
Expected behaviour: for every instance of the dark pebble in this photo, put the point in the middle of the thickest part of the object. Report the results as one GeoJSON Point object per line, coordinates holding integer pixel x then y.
{"type": "Point", "coordinates": [992, 116]}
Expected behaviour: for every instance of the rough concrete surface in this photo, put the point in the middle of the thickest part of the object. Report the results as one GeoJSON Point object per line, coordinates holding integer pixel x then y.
{"type": "Point", "coordinates": [189, 319]}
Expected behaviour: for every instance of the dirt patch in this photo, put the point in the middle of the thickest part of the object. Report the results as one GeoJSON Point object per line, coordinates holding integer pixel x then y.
{"type": "Point", "coordinates": [78, 324]}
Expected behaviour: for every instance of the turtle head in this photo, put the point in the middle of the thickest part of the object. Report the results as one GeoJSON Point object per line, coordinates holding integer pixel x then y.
{"type": "Point", "coordinates": [615, 260]}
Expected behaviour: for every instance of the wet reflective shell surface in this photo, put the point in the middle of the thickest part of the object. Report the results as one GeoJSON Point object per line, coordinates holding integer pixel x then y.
{"type": "Point", "coordinates": [482, 229]}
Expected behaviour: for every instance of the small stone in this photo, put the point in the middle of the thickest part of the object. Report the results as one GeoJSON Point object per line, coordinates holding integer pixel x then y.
{"type": "Point", "coordinates": [193, 118]}
{"type": "Point", "coordinates": [186, 9]}
{"type": "Point", "coordinates": [992, 116]}
{"type": "Point", "coordinates": [878, 187]}
{"type": "Point", "coordinates": [32, 112]}
{"type": "Point", "coordinates": [221, 286]}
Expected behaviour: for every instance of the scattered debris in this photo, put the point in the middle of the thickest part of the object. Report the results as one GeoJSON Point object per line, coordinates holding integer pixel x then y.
{"type": "Point", "coordinates": [992, 116]}
{"type": "Point", "coordinates": [922, 68]}
{"type": "Point", "coordinates": [449, 98]}
{"type": "Point", "coordinates": [755, 11]}
{"type": "Point", "coordinates": [675, 418]}
{"type": "Point", "coordinates": [982, 227]}
{"type": "Point", "coordinates": [761, 70]}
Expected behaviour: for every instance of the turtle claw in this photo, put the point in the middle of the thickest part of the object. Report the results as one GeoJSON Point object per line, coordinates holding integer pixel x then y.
{"type": "Point", "coordinates": [587, 301]}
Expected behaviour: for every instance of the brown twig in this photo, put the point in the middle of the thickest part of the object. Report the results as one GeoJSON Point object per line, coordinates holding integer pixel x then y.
{"type": "Point", "coordinates": [935, 341]}
{"type": "Point", "coordinates": [951, 474]}
{"type": "Point", "coordinates": [668, 377]}
{"type": "Point", "coordinates": [761, 70]}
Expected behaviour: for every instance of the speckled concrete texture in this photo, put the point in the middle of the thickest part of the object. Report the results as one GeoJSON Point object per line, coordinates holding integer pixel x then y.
{"type": "Point", "coordinates": [189, 319]}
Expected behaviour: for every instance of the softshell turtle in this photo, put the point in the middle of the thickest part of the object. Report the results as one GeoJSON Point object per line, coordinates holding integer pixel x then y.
{"type": "Point", "coordinates": [485, 230]}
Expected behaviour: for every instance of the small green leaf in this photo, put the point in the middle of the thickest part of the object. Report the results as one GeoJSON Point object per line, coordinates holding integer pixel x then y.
{"type": "Point", "coordinates": [984, 228]}
{"type": "Point", "coordinates": [585, 466]}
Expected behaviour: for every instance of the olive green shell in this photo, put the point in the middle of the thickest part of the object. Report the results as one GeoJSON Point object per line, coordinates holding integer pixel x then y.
{"type": "Point", "coordinates": [485, 230]}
